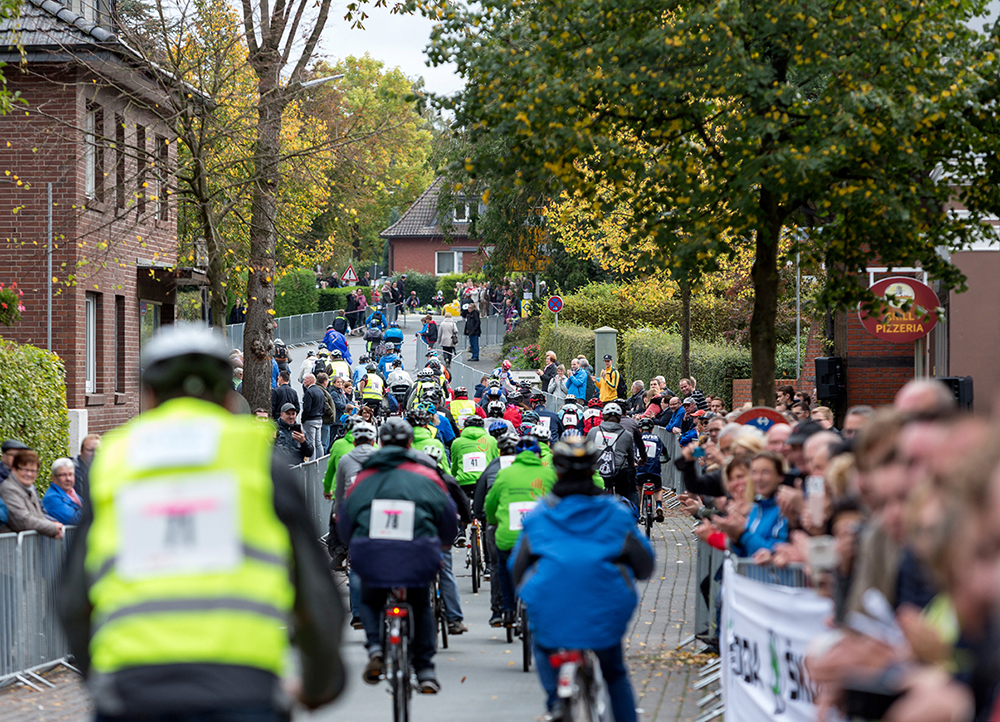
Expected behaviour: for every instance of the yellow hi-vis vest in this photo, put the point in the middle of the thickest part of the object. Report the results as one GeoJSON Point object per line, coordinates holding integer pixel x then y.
{"type": "Point", "coordinates": [461, 409]}
{"type": "Point", "coordinates": [373, 387]}
{"type": "Point", "coordinates": [186, 558]}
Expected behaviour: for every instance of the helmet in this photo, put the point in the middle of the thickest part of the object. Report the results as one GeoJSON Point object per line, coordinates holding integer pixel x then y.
{"type": "Point", "coordinates": [397, 364]}
{"type": "Point", "coordinates": [364, 431]}
{"type": "Point", "coordinates": [428, 408]}
{"type": "Point", "coordinates": [493, 383]}
{"type": "Point", "coordinates": [425, 374]}
{"type": "Point", "coordinates": [538, 398]}
{"type": "Point", "coordinates": [431, 354]}
{"type": "Point", "coordinates": [541, 433]}
{"type": "Point", "coordinates": [498, 428]}
{"type": "Point", "coordinates": [364, 359]}
{"type": "Point", "coordinates": [646, 423]}
{"type": "Point", "coordinates": [309, 353]}
{"type": "Point", "coordinates": [393, 325]}
{"type": "Point", "coordinates": [528, 443]}
{"type": "Point", "coordinates": [461, 392]}
{"type": "Point", "coordinates": [329, 327]}
{"type": "Point", "coordinates": [474, 421]}
{"type": "Point", "coordinates": [495, 409]}
{"type": "Point", "coordinates": [371, 368]}
{"type": "Point", "coordinates": [395, 432]}
{"type": "Point", "coordinates": [278, 342]}
{"type": "Point", "coordinates": [336, 353]}
{"type": "Point", "coordinates": [323, 353]}
{"type": "Point", "coordinates": [507, 442]}
{"type": "Point", "coordinates": [434, 451]}
{"type": "Point", "coordinates": [435, 367]}
{"type": "Point", "coordinates": [612, 409]}
{"type": "Point", "coordinates": [594, 403]}
{"type": "Point", "coordinates": [187, 359]}
{"type": "Point", "coordinates": [432, 394]}
{"type": "Point", "coordinates": [506, 365]}
{"type": "Point", "coordinates": [529, 417]}
{"type": "Point", "coordinates": [417, 416]}
{"type": "Point", "coordinates": [574, 455]}
{"type": "Point", "coordinates": [571, 432]}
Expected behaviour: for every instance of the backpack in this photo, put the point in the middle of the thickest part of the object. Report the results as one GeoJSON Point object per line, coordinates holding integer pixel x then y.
{"type": "Point", "coordinates": [319, 367]}
{"type": "Point", "coordinates": [606, 461]}
{"type": "Point", "coordinates": [621, 386]}
{"type": "Point", "coordinates": [591, 388]}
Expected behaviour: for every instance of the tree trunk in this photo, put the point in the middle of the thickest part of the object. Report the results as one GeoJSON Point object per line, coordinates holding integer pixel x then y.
{"type": "Point", "coordinates": [213, 246]}
{"type": "Point", "coordinates": [763, 341]}
{"type": "Point", "coordinates": [685, 329]}
{"type": "Point", "coordinates": [258, 338]}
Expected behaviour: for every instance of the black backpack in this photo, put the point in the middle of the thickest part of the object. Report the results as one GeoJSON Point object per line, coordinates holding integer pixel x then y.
{"type": "Point", "coordinates": [606, 466]}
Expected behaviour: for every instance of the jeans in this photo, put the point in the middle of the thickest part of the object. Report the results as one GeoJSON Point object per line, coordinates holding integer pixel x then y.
{"type": "Point", "coordinates": [313, 429]}
{"type": "Point", "coordinates": [623, 484]}
{"type": "Point", "coordinates": [496, 602]}
{"type": "Point", "coordinates": [354, 587]}
{"type": "Point", "coordinates": [372, 602]}
{"type": "Point", "coordinates": [506, 583]}
{"type": "Point", "coordinates": [615, 675]}
{"type": "Point", "coordinates": [245, 714]}
{"type": "Point", "coordinates": [449, 590]}
{"type": "Point", "coordinates": [473, 348]}
{"type": "Point", "coordinates": [325, 439]}
{"type": "Point", "coordinates": [449, 351]}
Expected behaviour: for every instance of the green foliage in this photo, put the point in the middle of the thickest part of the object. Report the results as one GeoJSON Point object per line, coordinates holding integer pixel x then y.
{"type": "Point", "coordinates": [10, 304]}
{"type": "Point", "coordinates": [446, 284]}
{"type": "Point", "coordinates": [33, 399]}
{"type": "Point", "coordinates": [525, 333]}
{"type": "Point", "coordinates": [525, 358]}
{"type": "Point", "coordinates": [568, 340]}
{"type": "Point", "coordinates": [188, 307]}
{"type": "Point", "coordinates": [295, 293]}
{"type": "Point", "coordinates": [425, 284]}
{"type": "Point", "coordinates": [332, 299]}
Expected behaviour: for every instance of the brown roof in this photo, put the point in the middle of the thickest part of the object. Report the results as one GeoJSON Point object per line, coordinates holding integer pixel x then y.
{"type": "Point", "coordinates": [421, 219]}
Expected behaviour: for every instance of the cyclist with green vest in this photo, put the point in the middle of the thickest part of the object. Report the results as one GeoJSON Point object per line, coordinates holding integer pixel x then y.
{"type": "Point", "coordinates": [424, 437]}
{"type": "Point", "coordinates": [470, 453]}
{"type": "Point", "coordinates": [197, 558]}
{"type": "Point", "coordinates": [516, 491]}
{"type": "Point", "coordinates": [340, 448]}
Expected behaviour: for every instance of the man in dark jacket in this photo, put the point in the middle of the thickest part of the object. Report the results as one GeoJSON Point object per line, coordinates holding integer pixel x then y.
{"type": "Point", "coordinates": [291, 439]}
{"type": "Point", "coordinates": [473, 329]}
{"type": "Point", "coordinates": [312, 413]}
{"type": "Point", "coordinates": [546, 418]}
{"type": "Point", "coordinates": [398, 515]}
{"type": "Point", "coordinates": [283, 394]}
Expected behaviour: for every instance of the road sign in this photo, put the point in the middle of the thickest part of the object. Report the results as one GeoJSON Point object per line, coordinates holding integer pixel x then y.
{"type": "Point", "coordinates": [761, 417]}
{"type": "Point", "coordinates": [894, 324]}
{"type": "Point", "coordinates": [555, 304]}
{"type": "Point", "coordinates": [349, 275]}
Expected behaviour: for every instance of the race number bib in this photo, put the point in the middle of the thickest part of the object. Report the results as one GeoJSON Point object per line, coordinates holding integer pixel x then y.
{"type": "Point", "coordinates": [179, 527]}
{"type": "Point", "coordinates": [462, 419]}
{"type": "Point", "coordinates": [544, 424]}
{"type": "Point", "coordinates": [169, 444]}
{"type": "Point", "coordinates": [474, 461]}
{"type": "Point", "coordinates": [506, 461]}
{"type": "Point", "coordinates": [517, 510]}
{"type": "Point", "coordinates": [650, 449]}
{"type": "Point", "coordinates": [392, 519]}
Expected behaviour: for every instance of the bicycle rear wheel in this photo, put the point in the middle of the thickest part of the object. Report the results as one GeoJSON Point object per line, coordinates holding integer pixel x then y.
{"type": "Point", "coordinates": [477, 554]}
{"type": "Point", "coordinates": [525, 640]}
{"type": "Point", "coordinates": [442, 618]}
{"type": "Point", "coordinates": [647, 506]}
{"type": "Point", "coordinates": [399, 681]}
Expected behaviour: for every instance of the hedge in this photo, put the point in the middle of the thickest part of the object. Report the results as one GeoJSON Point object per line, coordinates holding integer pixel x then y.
{"type": "Point", "coordinates": [332, 299]}
{"type": "Point", "coordinates": [568, 340]}
{"type": "Point", "coordinates": [295, 293]}
{"type": "Point", "coordinates": [425, 284]}
{"type": "Point", "coordinates": [33, 399]}
{"type": "Point", "coordinates": [648, 352]}
{"type": "Point", "coordinates": [446, 284]}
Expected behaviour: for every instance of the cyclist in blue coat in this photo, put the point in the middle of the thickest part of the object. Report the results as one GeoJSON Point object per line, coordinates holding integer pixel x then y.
{"type": "Point", "coordinates": [334, 339]}
{"type": "Point", "coordinates": [385, 363]}
{"type": "Point", "coordinates": [394, 334]}
{"type": "Point", "coordinates": [579, 551]}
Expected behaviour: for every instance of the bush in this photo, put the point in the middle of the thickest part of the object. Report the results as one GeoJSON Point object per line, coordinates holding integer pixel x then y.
{"type": "Point", "coordinates": [524, 333]}
{"type": "Point", "coordinates": [295, 293]}
{"type": "Point", "coordinates": [33, 399]}
{"type": "Point", "coordinates": [446, 284]}
{"type": "Point", "coordinates": [526, 358]}
{"type": "Point", "coordinates": [425, 284]}
{"type": "Point", "coordinates": [333, 299]}
{"type": "Point", "coordinates": [568, 340]}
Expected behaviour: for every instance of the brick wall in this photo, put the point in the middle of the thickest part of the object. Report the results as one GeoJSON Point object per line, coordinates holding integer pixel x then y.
{"type": "Point", "coordinates": [96, 246]}
{"type": "Point", "coordinates": [742, 390]}
{"type": "Point", "coordinates": [418, 254]}
{"type": "Point", "coordinates": [876, 369]}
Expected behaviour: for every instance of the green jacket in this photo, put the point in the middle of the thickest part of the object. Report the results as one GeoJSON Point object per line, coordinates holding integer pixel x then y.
{"type": "Point", "coordinates": [341, 447]}
{"type": "Point", "coordinates": [515, 492]}
{"type": "Point", "coordinates": [470, 453]}
{"type": "Point", "coordinates": [424, 437]}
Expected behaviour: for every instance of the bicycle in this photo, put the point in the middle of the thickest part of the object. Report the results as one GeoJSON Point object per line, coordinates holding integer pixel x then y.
{"type": "Point", "coordinates": [440, 617]}
{"type": "Point", "coordinates": [396, 635]}
{"type": "Point", "coordinates": [522, 630]}
{"type": "Point", "coordinates": [475, 559]}
{"type": "Point", "coordinates": [646, 512]}
{"type": "Point", "coordinates": [581, 690]}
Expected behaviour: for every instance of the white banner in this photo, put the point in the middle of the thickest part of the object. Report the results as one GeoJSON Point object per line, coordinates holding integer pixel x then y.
{"type": "Point", "coordinates": [766, 630]}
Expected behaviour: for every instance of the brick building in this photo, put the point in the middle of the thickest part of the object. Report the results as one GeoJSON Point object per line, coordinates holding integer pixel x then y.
{"type": "Point", "coordinates": [89, 129]}
{"type": "Point", "coordinates": [417, 242]}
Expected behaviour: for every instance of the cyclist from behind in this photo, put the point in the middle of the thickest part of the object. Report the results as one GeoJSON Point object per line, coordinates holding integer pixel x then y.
{"type": "Point", "coordinates": [516, 491]}
{"type": "Point", "coordinates": [372, 388]}
{"type": "Point", "coordinates": [462, 408]}
{"type": "Point", "coordinates": [338, 365]}
{"type": "Point", "coordinates": [398, 515]}
{"type": "Point", "coordinates": [650, 471]}
{"type": "Point", "coordinates": [579, 550]}
{"type": "Point", "coordinates": [394, 335]}
{"type": "Point", "coordinates": [386, 363]}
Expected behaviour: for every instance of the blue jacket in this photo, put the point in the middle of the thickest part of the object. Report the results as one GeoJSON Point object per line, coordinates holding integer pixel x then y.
{"type": "Point", "coordinates": [377, 319]}
{"type": "Point", "coordinates": [385, 363]}
{"type": "Point", "coordinates": [555, 424]}
{"type": "Point", "coordinates": [336, 340]}
{"type": "Point", "coordinates": [576, 384]}
{"type": "Point", "coordinates": [393, 335]}
{"type": "Point", "coordinates": [676, 419]}
{"type": "Point", "coordinates": [443, 426]}
{"type": "Point", "coordinates": [654, 451]}
{"type": "Point", "coordinates": [59, 506]}
{"type": "Point", "coordinates": [4, 514]}
{"type": "Point", "coordinates": [274, 374]}
{"type": "Point", "coordinates": [575, 564]}
{"type": "Point", "coordinates": [765, 528]}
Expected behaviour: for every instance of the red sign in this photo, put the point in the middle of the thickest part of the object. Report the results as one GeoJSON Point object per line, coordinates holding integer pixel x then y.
{"type": "Point", "coordinates": [555, 304]}
{"type": "Point", "coordinates": [349, 275]}
{"type": "Point", "coordinates": [761, 417]}
{"type": "Point", "coordinates": [909, 311]}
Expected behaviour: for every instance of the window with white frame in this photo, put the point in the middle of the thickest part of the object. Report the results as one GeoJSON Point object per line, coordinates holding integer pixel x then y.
{"type": "Point", "coordinates": [90, 342]}
{"type": "Point", "coordinates": [90, 152]}
{"type": "Point", "coordinates": [462, 213]}
{"type": "Point", "coordinates": [447, 262]}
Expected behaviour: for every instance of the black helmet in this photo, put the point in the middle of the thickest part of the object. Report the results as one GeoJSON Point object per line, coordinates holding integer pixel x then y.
{"type": "Point", "coordinates": [395, 432]}
{"type": "Point", "coordinates": [538, 398]}
{"type": "Point", "coordinates": [371, 368]}
{"type": "Point", "coordinates": [417, 416]}
{"type": "Point", "coordinates": [187, 359]}
{"type": "Point", "coordinates": [363, 431]}
{"type": "Point", "coordinates": [461, 391]}
{"type": "Point", "coordinates": [529, 417]}
{"type": "Point", "coordinates": [507, 442]}
{"type": "Point", "coordinates": [474, 421]}
{"type": "Point", "coordinates": [573, 455]}
{"type": "Point", "coordinates": [646, 423]}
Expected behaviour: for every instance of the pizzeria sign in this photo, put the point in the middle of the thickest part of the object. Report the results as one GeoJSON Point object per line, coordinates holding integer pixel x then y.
{"type": "Point", "coordinates": [909, 310]}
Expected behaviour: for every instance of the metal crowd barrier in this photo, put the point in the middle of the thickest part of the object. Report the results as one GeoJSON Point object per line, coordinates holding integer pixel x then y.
{"type": "Point", "coordinates": [790, 576]}
{"type": "Point", "coordinates": [30, 636]}
{"type": "Point", "coordinates": [311, 476]}
{"type": "Point", "coordinates": [709, 587]}
{"type": "Point", "coordinates": [305, 328]}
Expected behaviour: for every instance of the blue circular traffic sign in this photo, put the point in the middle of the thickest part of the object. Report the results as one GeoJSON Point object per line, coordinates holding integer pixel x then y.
{"type": "Point", "coordinates": [555, 304]}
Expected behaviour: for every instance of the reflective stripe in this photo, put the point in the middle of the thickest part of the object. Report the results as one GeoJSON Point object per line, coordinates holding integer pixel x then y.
{"type": "Point", "coordinates": [248, 551]}
{"type": "Point", "coordinates": [194, 605]}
